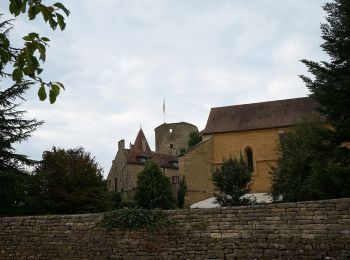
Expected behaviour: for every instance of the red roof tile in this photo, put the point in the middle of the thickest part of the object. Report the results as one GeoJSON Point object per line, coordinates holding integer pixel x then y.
{"type": "Point", "coordinates": [264, 115]}
{"type": "Point", "coordinates": [131, 156]}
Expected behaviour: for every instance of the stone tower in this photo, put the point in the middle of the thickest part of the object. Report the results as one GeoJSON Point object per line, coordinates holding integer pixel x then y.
{"type": "Point", "coordinates": [170, 138]}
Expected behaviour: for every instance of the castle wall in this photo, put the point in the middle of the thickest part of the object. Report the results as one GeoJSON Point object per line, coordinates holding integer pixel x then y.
{"type": "Point", "coordinates": [170, 138]}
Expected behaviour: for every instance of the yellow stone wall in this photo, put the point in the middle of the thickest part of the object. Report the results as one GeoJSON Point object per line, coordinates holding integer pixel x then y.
{"type": "Point", "coordinates": [196, 165]}
{"type": "Point", "coordinates": [198, 162]}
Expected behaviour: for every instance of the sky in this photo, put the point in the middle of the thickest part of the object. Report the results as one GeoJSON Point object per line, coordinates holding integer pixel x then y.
{"type": "Point", "coordinates": [119, 59]}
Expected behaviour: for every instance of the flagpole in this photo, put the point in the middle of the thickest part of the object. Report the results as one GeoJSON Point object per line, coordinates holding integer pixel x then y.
{"type": "Point", "coordinates": [164, 109]}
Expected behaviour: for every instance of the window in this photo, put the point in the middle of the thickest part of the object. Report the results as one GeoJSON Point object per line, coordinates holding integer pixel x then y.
{"type": "Point", "coordinates": [249, 157]}
{"type": "Point", "coordinates": [170, 130]}
{"type": "Point", "coordinates": [141, 159]}
{"type": "Point", "coordinates": [174, 179]}
{"type": "Point", "coordinates": [174, 163]}
{"type": "Point", "coordinates": [171, 146]}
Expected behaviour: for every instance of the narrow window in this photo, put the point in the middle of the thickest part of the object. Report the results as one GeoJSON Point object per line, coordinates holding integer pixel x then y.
{"type": "Point", "coordinates": [171, 146]}
{"type": "Point", "coordinates": [170, 130]}
{"type": "Point", "coordinates": [249, 156]}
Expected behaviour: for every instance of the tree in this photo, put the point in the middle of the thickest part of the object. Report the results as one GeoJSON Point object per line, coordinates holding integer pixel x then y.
{"type": "Point", "coordinates": [181, 193]}
{"type": "Point", "coordinates": [66, 182]}
{"type": "Point", "coordinates": [22, 64]}
{"type": "Point", "coordinates": [232, 181]}
{"type": "Point", "coordinates": [154, 188]}
{"type": "Point", "coordinates": [195, 138]}
{"type": "Point", "coordinates": [331, 83]}
{"type": "Point", "coordinates": [13, 129]}
{"type": "Point", "coordinates": [310, 166]}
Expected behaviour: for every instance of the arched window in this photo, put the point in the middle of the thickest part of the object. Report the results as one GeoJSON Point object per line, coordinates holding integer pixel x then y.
{"type": "Point", "coordinates": [249, 157]}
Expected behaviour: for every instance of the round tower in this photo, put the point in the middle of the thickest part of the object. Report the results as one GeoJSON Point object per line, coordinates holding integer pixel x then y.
{"type": "Point", "coordinates": [171, 138]}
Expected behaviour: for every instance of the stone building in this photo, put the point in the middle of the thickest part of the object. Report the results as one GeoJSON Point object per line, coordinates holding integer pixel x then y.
{"type": "Point", "coordinates": [128, 163]}
{"type": "Point", "coordinates": [250, 130]}
{"type": "Point", "coordinates": [172, 138]}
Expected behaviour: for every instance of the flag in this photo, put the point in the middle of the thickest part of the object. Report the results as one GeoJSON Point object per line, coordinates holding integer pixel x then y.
{"type": "Point", "coordinates": [163, 105]}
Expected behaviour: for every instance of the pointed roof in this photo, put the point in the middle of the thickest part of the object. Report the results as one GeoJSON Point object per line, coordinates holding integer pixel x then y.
{"type": "Point", "coordinates": [141, 143]}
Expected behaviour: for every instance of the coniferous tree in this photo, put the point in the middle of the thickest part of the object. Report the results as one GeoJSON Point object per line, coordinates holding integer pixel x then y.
{"type": "Point", "coordinates": [154, 188]}
{"type": "Point", "coordinates": [331, 83]}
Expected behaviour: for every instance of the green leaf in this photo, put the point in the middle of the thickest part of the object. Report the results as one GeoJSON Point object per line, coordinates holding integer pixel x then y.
{"type": "Point", "coordinates": [45, 39]}
{"type": "Point", "coordinates": [17, 75]}
{"type": "Point", "coordinates": [42, 51]}
{"type": "Point", "coordinates": [60, 20]}
{"type": "Point", "coordinates": [55, 89]}
{"type": "Point", "coordinates": [62, 7]}
{"type": "Point", "coordinates": [53, 23]}
{"type": "Point", "coordinates": [52, 96]}
{"type": "Point", "coordinates": [60, 84]}
{"type": "Point", "coordinates": [42, 93]}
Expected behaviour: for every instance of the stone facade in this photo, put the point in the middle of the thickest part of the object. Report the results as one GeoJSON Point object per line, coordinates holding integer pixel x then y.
{"type": "Point", "coordinates": [196, 166]}
{"type": "Point", "coordinates": [171, 138]}
{"type": "Point", "coordinates": [250, 130]}
{"type": "Point", "coordinates": [305, 230]}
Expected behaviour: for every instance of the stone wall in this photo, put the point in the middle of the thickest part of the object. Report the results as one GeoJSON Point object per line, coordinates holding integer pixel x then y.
{"type": "Point", "coordinates": [307, 230]}
{"type": "Point", "coordinates": [171, 138]}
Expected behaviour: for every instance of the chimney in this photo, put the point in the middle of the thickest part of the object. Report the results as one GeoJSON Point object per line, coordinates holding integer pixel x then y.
{"type": "Point", "coordinates": [121, 144]}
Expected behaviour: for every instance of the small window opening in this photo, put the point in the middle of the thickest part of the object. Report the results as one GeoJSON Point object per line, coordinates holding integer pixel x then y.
{"type": "Point", "coordinates": [249, 156]}
{"type": "Point", "coordinates": [171, 146]}
{"type": "Point", "coordinates": [170, 130]}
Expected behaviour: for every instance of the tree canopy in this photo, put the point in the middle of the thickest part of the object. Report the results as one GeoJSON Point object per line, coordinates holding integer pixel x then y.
{"type": "Point", "coordinates": [14, 129]}
{"type": "Point", "coordinates": [195, 138]}
{"type": "Point", "coordinates": [331, 83]}
{"type": "Point", "coordinates": [310, 167]}
{"type": "Point", "coordinates": [68, 181]}
{"type": "Point", "coordinates": [231, 182]}
{"type": "Point", "coordinates": [153, 188]}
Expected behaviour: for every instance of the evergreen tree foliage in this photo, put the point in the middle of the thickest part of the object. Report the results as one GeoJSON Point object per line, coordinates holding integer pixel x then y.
{"type": "Point", "coordinates": [231, 182]}
{"type": "Point", "coordinates": [154, 188]}
{"type": "Point", "coordinates": [66, 182]}
{"type": "Point", "coordinates": [310, 166]}
{"type": "Point", "coordinates": [331, 83]}
{"type": "Point", "coordinates": [195, 138]}
{"type": "Point", "coordinates": [181, 193]}
{"type": "Point", "coordinates": [14, 129]}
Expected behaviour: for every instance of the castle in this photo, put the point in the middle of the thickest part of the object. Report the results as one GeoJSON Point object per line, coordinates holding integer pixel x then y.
{"type": "Point", "coordinates": [252, 131]}
{"type": "Point", "coordinates": [170, 140]}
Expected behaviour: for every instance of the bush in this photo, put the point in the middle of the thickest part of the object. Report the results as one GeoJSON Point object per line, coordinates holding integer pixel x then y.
{"type": "Point", "coordinates": [232, 182]}
{"type": "Point", "coordinates": [153, 188]}
{"type": "Point", "coordinates": [136, 218]}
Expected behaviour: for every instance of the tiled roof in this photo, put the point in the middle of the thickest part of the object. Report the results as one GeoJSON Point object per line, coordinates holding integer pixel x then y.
{"type": "Point", "coordinates": [272, 114]}
{"type": "Point", "coordinates": [141, 142]}
{"type": "Point", "coordinates": [131, 156]}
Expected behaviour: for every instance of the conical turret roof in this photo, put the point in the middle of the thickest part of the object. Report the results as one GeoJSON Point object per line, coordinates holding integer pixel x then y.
{"type": "Point", "coordinates": [141, 143]}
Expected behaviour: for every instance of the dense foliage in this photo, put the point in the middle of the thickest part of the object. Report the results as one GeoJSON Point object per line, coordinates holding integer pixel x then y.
{"type": "Point", "coordinates": [68, 181]}
{"type": "Point", "coordinates": [315, 161]}
{"type": "Point", "coordinates": [331, 83]}
{"type": "Point", "coordinates": [14, 129]}
{"type": "Point", "coordinates": [194, 138]}
{"type": "Point", "coordinates": [231, 182]}
{"type": "Point", "coordinates": [154, 188]}
{"type": "Point", "coordinates": [181, 193]}
{"type": "Point", "coordinates": [310, 166]}
{"type": "Point", "coordinates": [136, 218]}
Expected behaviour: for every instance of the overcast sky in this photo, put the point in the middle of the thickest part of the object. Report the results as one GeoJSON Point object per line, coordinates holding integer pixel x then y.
{"type": "Point", "coordinates": [119, 59]}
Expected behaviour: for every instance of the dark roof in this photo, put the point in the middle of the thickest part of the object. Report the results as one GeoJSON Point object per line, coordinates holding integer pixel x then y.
{"type": "Point", "coordinates": [131, 156]}
{"type": "Point", "coordinates": [264, 115]}
{"type": "Point", "coordinates": [141, 139]}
